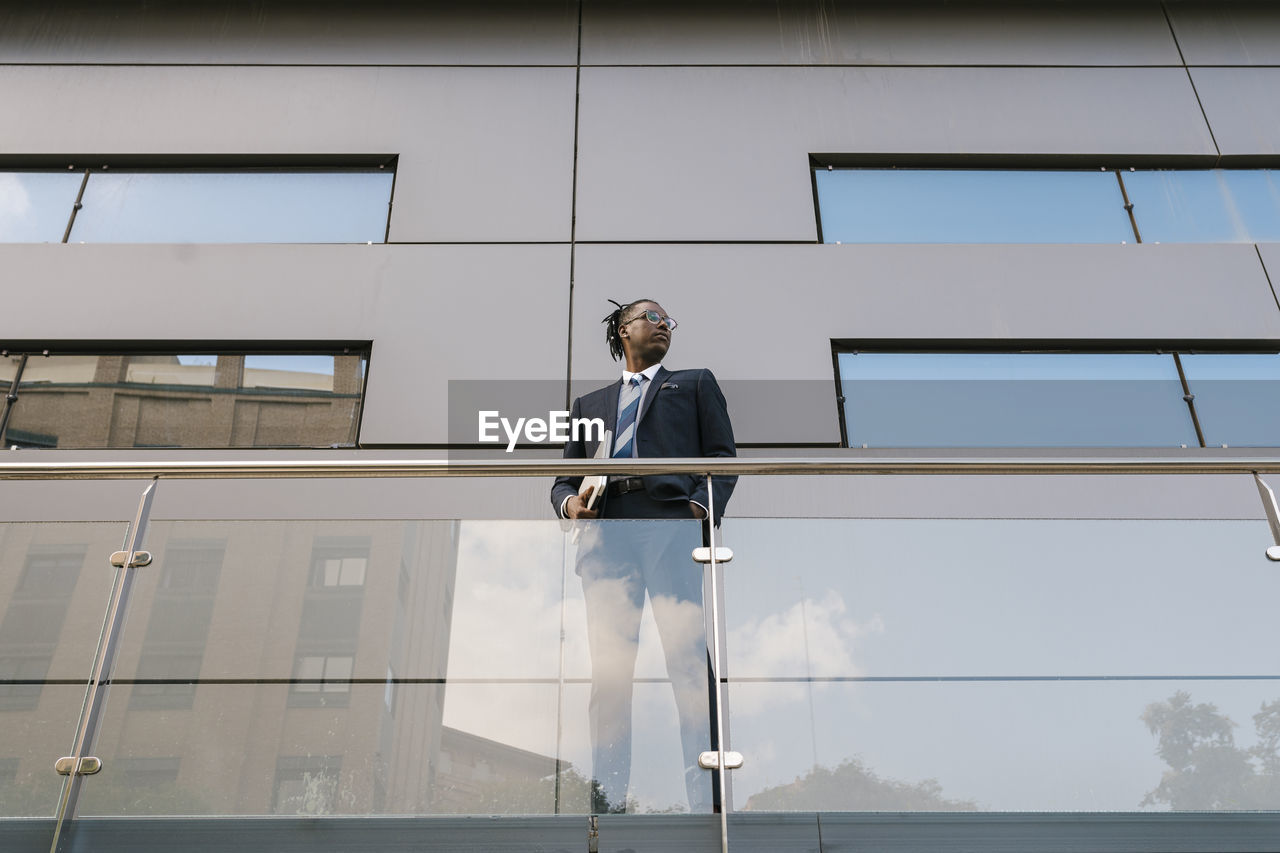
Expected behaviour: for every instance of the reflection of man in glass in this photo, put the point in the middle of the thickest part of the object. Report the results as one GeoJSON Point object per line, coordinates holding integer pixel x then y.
{"type": "Point", "coordinates": [651, 412]}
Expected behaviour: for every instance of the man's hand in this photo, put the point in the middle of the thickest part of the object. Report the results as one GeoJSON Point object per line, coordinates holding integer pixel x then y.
{"type": "Point", "coordinates": [576, 506]}
{"type": "Point", "coordinates": [698, 510]}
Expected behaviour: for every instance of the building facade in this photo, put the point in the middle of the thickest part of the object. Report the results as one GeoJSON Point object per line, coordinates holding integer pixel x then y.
{"type": "Point", "coordinates": [1036, 234]}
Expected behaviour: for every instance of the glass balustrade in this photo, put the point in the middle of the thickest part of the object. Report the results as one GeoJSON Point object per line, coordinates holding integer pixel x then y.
{"type": "Point", "coordinates": [1003, 665]}
{"type": "Point", "coordinates": [277, 671]}
{"type": "Point", "coordinates": [402, 667]}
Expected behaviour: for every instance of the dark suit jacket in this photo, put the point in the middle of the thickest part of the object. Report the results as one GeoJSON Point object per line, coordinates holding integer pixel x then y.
{"type": "Point", "coordinates": [683, 415]}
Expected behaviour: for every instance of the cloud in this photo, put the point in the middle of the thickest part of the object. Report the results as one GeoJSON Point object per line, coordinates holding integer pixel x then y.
{"type": "Point", "coordinates": [813, 637]}
{"type": "Point", "coordinates": [15, 201]}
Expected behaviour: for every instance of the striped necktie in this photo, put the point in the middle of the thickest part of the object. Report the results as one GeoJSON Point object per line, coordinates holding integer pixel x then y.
{"type": "Point", "coordinates": [624, 444]}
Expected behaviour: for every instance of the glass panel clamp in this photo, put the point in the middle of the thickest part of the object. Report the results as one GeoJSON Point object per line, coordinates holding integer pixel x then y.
{"type": "Point", "coordinates": [703, 554]}
{"type": "Point", "coordinates": [140, 559]}
{"type": "Point", "coordinates": [710, 760]}
{"type": "Point", "coordinates": [66, 766]}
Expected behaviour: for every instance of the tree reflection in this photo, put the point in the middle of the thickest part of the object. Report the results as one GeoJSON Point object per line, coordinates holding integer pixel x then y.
{"type": "Point", "coordinates": [852, 786]}
{"type": "Point", "coordinates": [1206, 768]}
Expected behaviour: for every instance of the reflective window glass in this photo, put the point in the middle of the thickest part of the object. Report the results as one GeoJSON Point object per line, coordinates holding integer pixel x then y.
{"type": "Point", "coordinates": [1205, 205]}
{"type": "Point", "coordinates": [970, 206]}
{"type": "Point", "coordinates": [313, 372]}
{"type": "Point", "coordinates": [181, 400]}
{"type": "Point", "coordinates": [235, 207]}
{"type": "Point", "coordinates": [1237, 397]}
{"type": "Point", "coordinates": [36, 206]}
{"type": "Point", "coordinates": [1014, 400]}
{"type": "Point", "coordinates": [170, 369]}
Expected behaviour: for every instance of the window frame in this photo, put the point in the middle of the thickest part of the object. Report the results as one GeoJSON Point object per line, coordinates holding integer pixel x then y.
{"type": "Point", "coordinates": [1033, 163]}
{"type": "Point", "coordinates": [1172, 347]}
{"type": "Point", "coordinates": [25, 352]}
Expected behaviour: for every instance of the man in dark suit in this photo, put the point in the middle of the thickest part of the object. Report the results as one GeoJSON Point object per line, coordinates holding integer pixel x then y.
{"type": "Point", "coordinates": [651, 412]}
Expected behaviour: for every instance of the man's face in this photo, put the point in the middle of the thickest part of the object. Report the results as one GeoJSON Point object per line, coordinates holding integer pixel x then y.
{"type": "Point", "coordinates": [643, 339]}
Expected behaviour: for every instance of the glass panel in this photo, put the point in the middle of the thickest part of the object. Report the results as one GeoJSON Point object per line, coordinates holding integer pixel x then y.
{"type": "Point", "coordinates": [31, 740]}
{"type": "Point", "coordinates": [489, 749]}
{"type": "Point", "coordinates": [200, 400]}
{"type": "Point", "coordinates": [36, 206]}
{"type": "Point", "coordinates": [1205, 205]}
{"type": "Point", "coordinates": [1014, 400]}
{"type": "Point", "coordinates": [1002, 746]}
{"type": "Point", "coordinates": [235, 207]}
{"type": "Point", "coordinates": [1237, 397]}
{"type": "Point", "coordinates": [55, 580]}
{"type": "Point", "coordinates": [942, 664]}
{"type": "Point", "coordinates": [970, 206]}
{"type": "Point", "coordinates": [416, 639]}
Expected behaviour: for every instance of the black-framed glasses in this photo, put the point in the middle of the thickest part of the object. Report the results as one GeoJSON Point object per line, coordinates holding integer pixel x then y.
{"type": "Point", "coordinates": [655, 318]}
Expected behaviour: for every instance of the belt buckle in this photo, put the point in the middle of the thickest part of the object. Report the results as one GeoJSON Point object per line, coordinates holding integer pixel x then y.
{"type": "Point", "coordinates": [629, 484]}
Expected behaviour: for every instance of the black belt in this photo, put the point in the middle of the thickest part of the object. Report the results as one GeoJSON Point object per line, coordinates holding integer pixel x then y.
{"type": "Point", "coordinates": [624, 485]}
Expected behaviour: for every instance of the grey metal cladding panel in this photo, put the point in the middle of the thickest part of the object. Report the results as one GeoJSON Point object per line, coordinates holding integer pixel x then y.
{"type": "Point", "coordinates": [506, 32]}
{"type": "Point", "coordinates": [486, 154]}
{"type": "Point", "coordinates": [1242, 108]}
{"type": "Point", "coordinates": [480, 498]}
{"type": "Point", "coordinates": [1023, 496]}
{"type": "Point", "coordinates": [770, 312]}
{"type": "Point", "coordinates": [822, 32]}
{"type": "Point", "coordinates": [434, 313]}
{"type": "Point", "coordinates": [723, 153]}
{"type": "Point", "coordinates": [659, 833]}
{"type": "Point", "coordinates": [785, 832]}
{"type": "Point", "coordinates": [364, 834]}
{"type": "Point", "coordinates": [1216, 33]}
{"type": "Point", "coordinates": [1201, 832]}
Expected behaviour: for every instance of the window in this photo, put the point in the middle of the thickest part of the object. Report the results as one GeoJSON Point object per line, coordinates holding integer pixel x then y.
{"type": "Point", "coordinates": [35, 207]}
{"type": "Point", "coordinates": [33, 622]}
{"type": "Point", "coordinates": [246, 205]}
{"type": "Point", "coordinates": [191, 567]}
{"type": "Point", "coordinates": [1205, 205]}
{"type": "Point", "coordinates": [197, 400]}
{"type": "Point", "coordinates": [333, 670]}
{"type": "Point", "coordinates": [970, 206]}
{"type": "Point", "coordinates": [166, 680]}
{"type": "Point", "coordinates": [178, 625]}
{"type": "Point", "coordinates": [339, 571]}
{"type": "Point", "coordinates": [876, 205]}
{"type": "Point", "coordinates": [51, 572]}
{"type": "Point", "coordinates": [321, 679]}
{"type": "Point", "coordinates": [1237, 397]}
{"type": "Point", "coordinates": [339, 562]}
{"type": "Point", "coordinates": [1060, 399]}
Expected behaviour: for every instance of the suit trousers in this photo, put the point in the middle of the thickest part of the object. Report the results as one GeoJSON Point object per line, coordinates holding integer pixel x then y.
{"type": "Point", "coordinates": [620, 561]}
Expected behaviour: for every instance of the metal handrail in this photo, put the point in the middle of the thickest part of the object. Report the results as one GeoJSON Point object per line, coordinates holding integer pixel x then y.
{"type": "Point", "coordinates": [1201, 462]}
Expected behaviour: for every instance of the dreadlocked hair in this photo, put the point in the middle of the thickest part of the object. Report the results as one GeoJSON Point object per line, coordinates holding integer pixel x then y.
{"type": "Point", "coordinates": [613, 323]}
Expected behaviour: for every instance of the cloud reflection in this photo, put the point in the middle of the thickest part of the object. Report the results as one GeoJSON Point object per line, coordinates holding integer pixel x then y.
{"type": "Point", "coordinates": [811, 637]}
